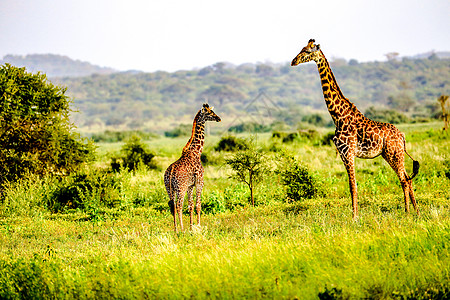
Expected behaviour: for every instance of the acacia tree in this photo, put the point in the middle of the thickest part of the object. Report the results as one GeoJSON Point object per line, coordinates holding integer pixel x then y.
{"type": "Point", "coordinates": [249, 167]}
{"type": "Point", "coordinates": [36, 135]}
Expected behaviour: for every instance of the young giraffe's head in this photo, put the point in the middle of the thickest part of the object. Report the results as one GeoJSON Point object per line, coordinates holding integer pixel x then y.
{"type": "Point", "coordinates": [308, 53]}
{"type": "Point", "coordinates": [207, 114]}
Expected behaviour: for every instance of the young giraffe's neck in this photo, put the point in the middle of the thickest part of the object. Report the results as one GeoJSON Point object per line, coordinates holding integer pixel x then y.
{"type": "Point", "coordinates": [194, 146]}
{"type": "Point", "coordinates": [338, 106]}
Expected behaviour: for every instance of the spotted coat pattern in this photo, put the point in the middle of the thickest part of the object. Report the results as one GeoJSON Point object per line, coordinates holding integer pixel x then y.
{"type": "Point", "coordinates": [186, 173]}
{"type": "Point", "coordinates": [356, 135]}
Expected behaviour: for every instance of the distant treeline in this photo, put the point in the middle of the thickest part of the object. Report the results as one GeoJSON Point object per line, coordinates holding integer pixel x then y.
{"type": "Point", "coordinates": [132, 99]}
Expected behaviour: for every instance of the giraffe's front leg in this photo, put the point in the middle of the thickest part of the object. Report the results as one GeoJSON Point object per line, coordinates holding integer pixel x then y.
{"type": "Point", "coordinates": [347, 153]}
{"type": "Point", "coordinates": [350, 166]}
{"type": "Point", "coordinates": [190, 205]}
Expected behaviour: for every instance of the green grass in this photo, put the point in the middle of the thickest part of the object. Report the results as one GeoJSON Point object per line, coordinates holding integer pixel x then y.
{"type": "Point", "coordinates": [306, 250]}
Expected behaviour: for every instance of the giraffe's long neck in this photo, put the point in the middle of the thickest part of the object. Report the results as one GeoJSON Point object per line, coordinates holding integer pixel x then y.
{"type": "Point", "coordinates": [194, 146]}
{"type": "Point", "coordinates": [338, 106]}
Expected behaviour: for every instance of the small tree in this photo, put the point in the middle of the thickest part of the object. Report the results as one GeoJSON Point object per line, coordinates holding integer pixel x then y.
{"type": "Point", "coordinates": [299, 183]}
{"type": "Point", "coordinates": [134, 153]}
{"type": "Point", "coordinates": [36, 135]}
{"type": "Point", "coordinates": [249, 167]}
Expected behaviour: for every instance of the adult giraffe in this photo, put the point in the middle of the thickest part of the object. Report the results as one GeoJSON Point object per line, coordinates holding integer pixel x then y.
{"type": "Point", "coordinates": [356, 135]}
{"type": "Point", "coordinates": [187, 172]}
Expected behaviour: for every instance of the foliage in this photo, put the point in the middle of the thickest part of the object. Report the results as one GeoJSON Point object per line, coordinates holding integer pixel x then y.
{"type": "Point", "coordinates": [85, 190]}
{"type": "Point", "coordinates": [251, 127]}
{"type": "Point", "coordinates": [36, 135]}
{"type": "Point", "coordinates": [386, 115]}
{"type": "Point", "coordinates": [109, 136]}
{"type": "Point", "coordinates": [286, 137]}
{"type": "Point", "coordinates": [327, 139]}
{"type": "Point", "coordinates": [231, 143]}
{"type": "Point", "coordinates": [134, 154]}
{"type": "Point", "coordinates": [316, 119]}
{"type": "Point", "coordinates": [180, 130]}
{"type": "Point", "coordinates": [298, 182]}
{"type": "Point", "coordinates": [249, 167]}
{"type": "Point", "coordinates": [120, 245]}
{"type": "Point", "coordinates": [295, 91]}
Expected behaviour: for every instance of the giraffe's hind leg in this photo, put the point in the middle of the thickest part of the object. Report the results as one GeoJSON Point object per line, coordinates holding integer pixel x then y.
{"type": "Point", "coordinates": [172, 199]}
{"type": "Point", "coordinates": [396, 160]}
{"type": "Point", "coordinates": [190, 204]}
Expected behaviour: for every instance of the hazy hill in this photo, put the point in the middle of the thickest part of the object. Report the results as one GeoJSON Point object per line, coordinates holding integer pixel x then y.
{"type": "Point", "coordinates": [160, 100]}
{"type": "Point", "coordinates": [55, 65]}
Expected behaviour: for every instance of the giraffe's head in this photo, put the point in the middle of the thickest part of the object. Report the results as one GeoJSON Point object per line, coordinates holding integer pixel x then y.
{"type": "Point", "coordinates": [308, 53]}
{"type": "Point", "coordinates": [207, 114]}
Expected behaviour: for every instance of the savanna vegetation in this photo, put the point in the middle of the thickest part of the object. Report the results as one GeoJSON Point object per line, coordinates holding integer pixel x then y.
{"type": "Point", "coordinates": [398, 91]}
{"type": "Point", "coordinates": [104, 229]}
{"type": "Point", "coordinates": [104, 234]}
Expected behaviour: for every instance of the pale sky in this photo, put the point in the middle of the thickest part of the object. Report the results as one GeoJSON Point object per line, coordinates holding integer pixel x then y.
{"type": "Point", "coordinates": [171, 35]}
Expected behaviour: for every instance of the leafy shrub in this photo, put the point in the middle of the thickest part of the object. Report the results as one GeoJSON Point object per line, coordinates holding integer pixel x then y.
{"type": "Point", "coordinates": [286, 137]}
{"type": "Point", "coordinates": [181, 130]}
{"type": "Point", "coordinates": [316, 120]}
{"type": "Point", "coordinates": [211, 158]}
{"type": "Point", "coordinates": [310, 134]}
{"type": "Point", "coordinates": [85, 191]}
{"type": "Point", "coordinates": [36, 135]}
{"type": "Point", "coordinates": [213, 204]}
{"type": "Point", "coordinates": [109, 136]}
{"type": "Point", "coordinates": [134, 153]}
{"type": "Point", "coordinates": [327, 139]}
{"type": "Point", "coordinates": [231, 144]}
{"type": "Point", "coordinates": [249, 127]}
{"type": "Point", "coordinates": [386, 115]}
{"type": "Point", "coordinates": [298, 182]}
{"type": "Point", "coordinates": [249, 166]}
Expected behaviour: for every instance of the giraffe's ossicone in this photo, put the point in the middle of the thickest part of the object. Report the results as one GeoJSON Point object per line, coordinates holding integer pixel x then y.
{"type": "Point", "coordinates": [356, 135]}
{"type": "Point", "coordinates": [187, 172]}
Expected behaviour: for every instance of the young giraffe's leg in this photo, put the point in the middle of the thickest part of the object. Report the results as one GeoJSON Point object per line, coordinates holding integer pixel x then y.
{"type": "Point", "coordinates": [179, 206]}
{"type": "Point", "coordinates": [172, 199]}
{"type": "Point", "coordinates": [198, 203]}
{"type": "Point", "coordinates": [190, 204]}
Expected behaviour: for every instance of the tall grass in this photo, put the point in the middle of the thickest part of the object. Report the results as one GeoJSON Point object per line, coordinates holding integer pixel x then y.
{"type": "Point", "coordinates": [306, 250]}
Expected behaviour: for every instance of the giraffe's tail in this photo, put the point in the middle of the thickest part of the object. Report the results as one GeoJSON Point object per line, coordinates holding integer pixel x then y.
{"type": "Point", "coordinates": [416, 164]}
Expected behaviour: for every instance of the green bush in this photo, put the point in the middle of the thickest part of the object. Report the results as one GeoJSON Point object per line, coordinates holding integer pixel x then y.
{"type": "Point", "coordinates": [231, 144]}
{"type": "Point", "coordinates": [316, 120]}
{"type": "Point", "coordinates": [249, 127]}
{"type": "Point", "coordinates": [36, 135]}
{"type": "Point", "coordinates": [298, 182]}
{"type": "Point", "coordinates": [213, 204]}
{"type": "Point", "coordinates": [181, 130]}
{"type": "Point", "coordinates": [133, 154]}
{"type": "Point", "coordinates": [327, 139]}
{"type": "Point", "coordinates": [85, 191]}
{"type": "Point", "coordinates": [386, 115]}
{"type": "Point", "coordinates": [109, 136]}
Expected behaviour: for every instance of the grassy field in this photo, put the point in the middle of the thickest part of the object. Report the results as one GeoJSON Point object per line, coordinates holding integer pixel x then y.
{"type": "Point", "coordinates": [309, 249]}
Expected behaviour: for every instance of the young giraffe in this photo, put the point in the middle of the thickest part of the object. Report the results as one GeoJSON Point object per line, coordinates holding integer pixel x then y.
{"type": "Point", "coordinates": [356, 135]}
{"type": "Point", "coordinates": [187, 172]}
